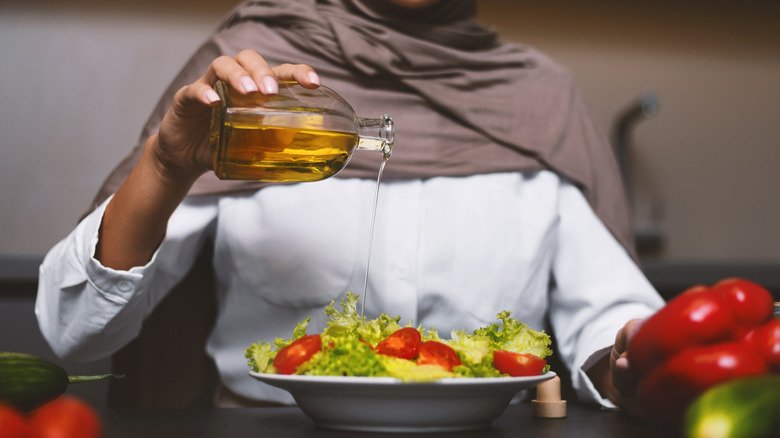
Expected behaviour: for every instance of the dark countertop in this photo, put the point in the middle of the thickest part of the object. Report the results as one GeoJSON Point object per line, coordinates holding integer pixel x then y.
{"type": "Point", "coordinates": [582, 422]}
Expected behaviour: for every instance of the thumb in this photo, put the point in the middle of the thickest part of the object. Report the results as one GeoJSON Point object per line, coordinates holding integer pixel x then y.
{"type": "Point", "coordinates": [193, 99]}
{"type": "Point", "coordinates": [624, 336]}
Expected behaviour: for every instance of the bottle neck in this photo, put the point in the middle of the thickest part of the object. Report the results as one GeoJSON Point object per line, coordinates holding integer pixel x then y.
{"type": "Point", "coordinates": [376, 135]}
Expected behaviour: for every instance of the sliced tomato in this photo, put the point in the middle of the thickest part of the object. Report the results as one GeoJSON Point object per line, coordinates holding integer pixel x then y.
{"type": "Point", "coordinates": [518, 364]}
{"type": "Point", "coordinates": [403, 343]}
{"type": "Point", "coordinates": [289, 358]}
{"type": "Point", "coordinates": [437, 353]}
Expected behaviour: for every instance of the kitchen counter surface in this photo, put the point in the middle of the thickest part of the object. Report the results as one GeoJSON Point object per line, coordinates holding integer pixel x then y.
{"type": "Point", "coordinates": [582, 421]}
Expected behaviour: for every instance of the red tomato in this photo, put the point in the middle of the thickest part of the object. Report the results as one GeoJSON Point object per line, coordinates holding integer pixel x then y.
{"type": "Point", "coordinates": [403, 343]}
{"type": "Point", "coordinates": [766, 341]}
{"type": "Point", "coordinates": [65, 417]}
{"type": "Point", "coordinates": [12, 424]}
{"type": "Point", "coordinates": [750, 302]}
{"type": "Point", "coordinates": [518, 364]}
{"type": "Point", "coordinates": [436, 353]}
{"type": "Point", "coordinates": [289, 358]}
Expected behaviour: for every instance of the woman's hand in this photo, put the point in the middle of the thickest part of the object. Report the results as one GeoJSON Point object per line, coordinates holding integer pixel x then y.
{"type": "Point", "coordinates": [181, 148]}
{"type": "Point", "coordinates": [623, 379]}
{"type": "Point", "coordinates": [613, 376]}
{"type": "Point", "coordinates": [135, 220]}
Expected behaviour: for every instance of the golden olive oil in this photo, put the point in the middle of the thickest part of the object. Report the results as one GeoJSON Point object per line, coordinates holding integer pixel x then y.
{"type": "Point", "coordinates": [253, 151]}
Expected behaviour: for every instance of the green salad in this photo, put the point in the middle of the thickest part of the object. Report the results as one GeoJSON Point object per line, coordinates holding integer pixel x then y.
{"type": "Point", "coordinates": [351, 345]}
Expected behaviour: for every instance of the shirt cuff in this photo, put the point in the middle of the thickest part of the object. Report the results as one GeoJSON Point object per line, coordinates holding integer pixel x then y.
{"type": "Point", "coordinates": [117, 286]}
{"type": "Point", "coordinates": [587, 390]}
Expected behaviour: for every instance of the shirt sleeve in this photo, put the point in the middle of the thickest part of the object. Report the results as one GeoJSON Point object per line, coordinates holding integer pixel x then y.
{"type": "Point", "coordinates": [597, 289]}
{"type": "Point", "coordinates": [86, 310]}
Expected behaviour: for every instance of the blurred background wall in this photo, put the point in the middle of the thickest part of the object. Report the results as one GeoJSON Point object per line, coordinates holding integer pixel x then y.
{"type": "Point", "coordinates": [79, 78]}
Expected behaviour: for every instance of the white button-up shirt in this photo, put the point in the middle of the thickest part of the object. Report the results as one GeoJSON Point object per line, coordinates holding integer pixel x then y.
{"type": "Point", "coordinates": [448, 253]}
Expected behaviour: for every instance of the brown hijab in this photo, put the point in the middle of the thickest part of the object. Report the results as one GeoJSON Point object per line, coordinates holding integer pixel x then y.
{"type": "Point", "coordinates": [463, 101]}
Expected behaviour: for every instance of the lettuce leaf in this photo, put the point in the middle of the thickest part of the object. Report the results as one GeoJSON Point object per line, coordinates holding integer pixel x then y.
{"type": "Point", "coordinates": [513, 335]}
{"type": "Point", "coordinates": [347, 322]}
{"type": "Point", "coordinates": [471, 348]}
{"type": "Point", "coordinates": [475, 350]}
{"type": "Point", "coordinates": [347, 356]}
{"type": "Point", "coordinates": [483, 368]}
{"type": "Point", "coordinates": [298, 332]}
{"type": "Point", "coordinates": [260, 357]}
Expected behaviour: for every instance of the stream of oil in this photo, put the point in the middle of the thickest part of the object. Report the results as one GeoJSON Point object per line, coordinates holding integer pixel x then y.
{"type": "Point", "coordinates": [371, 235]}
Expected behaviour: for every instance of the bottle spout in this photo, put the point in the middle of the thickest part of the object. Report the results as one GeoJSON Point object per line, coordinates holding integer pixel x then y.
{"type": "Point", "coordinates": [377, 135]}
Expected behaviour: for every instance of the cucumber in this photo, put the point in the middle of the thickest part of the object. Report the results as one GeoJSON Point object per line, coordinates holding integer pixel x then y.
{"type": "Point", "coordinates": [27, 381]}
{"type": "Point", "coordinates": [748, 407]}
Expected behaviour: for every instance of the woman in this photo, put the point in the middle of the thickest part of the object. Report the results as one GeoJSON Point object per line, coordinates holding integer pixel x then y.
{"type": "Point", "coordinates": [500, 195]}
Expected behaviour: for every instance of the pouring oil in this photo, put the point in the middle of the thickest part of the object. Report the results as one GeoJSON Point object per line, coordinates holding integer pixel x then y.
{"type": "Point", "coordinates": [371, 233]}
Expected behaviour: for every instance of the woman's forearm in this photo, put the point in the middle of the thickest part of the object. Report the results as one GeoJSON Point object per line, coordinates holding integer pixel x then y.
{"type": "Point", "coordinates": [136, 218]}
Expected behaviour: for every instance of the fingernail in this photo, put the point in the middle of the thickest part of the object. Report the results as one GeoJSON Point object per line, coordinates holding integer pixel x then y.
{"type": "Point", "coordinates": [313, 78]}
{"type": "Point", "coordinates": [622, 363]}
{"type": "Point", "coordinates": [270, 86]}
{"type": "Point", "coordinates": [248, 84]}
{"type": "Point", "coordinates": [212, 96]}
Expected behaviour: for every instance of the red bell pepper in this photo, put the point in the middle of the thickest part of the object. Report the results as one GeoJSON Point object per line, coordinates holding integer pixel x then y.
{"type": "Point", "coordinates": [701, 338]}
{"type": "Point", "coordinates": [766, 340]}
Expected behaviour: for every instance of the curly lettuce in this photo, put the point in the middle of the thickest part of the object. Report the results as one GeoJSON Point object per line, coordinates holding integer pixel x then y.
{"type": "Point", "coordinates": [347, 322]}
{"type": "Point", "coordinates": [513, 335]}
{"type": "Point", "coordinates": [476, 349]}
{"type": "Point", "coordinates": [345, 357]}
{"type": "Point", "coordinates": [260, 357]}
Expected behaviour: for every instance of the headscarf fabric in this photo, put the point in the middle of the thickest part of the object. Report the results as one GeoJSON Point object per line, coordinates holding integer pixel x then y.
{"type": "Point", "coordinates": [464, 102]}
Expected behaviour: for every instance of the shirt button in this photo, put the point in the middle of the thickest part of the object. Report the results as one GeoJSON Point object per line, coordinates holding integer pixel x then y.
{"type": "Point", "coordinates": [124, 286]}
{"type": "Point", "coordinates": [401, 271]}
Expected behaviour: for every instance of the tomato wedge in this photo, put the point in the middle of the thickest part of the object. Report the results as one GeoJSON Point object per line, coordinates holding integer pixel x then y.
{"type": "Point", "coordinates": [289, 358]}
{"type": "Point", "coordinates": [518, 364]}
{"type": "Point", "coordinates": [403, 343]}
{"type": "Point", "coordinates": [437, 353]}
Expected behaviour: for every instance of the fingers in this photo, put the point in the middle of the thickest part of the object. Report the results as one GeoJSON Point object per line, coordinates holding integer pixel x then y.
{"type": "Point", "coordinates": [228, 69]}
{"type": "Point", "coordinates": [623, 378]}
{"type": "Point", "coordinates": [301, 73]}
{"type": "Point", "coordinates": [257, 71]}
{"type": "Point", "coordinates": [249, 73]}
